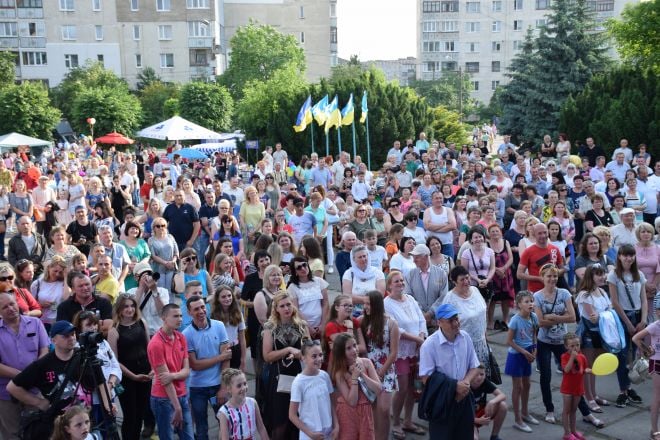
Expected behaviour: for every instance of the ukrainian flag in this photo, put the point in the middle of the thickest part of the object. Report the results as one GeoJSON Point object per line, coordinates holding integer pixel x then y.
{"type": "Point", "coordinates": [365, 110]}
{"type": "Point", "coordinates": [304, 115]}
{"type": "Point", "coordinates": [348, 113]}
{"type": "Point", "coordinates": [334, 115]}
{"type": "Point", "coordinates": [318, 111]}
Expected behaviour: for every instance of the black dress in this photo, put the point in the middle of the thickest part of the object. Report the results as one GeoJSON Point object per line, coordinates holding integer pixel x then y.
{"type": "Point", "coordinates": [251, 286]}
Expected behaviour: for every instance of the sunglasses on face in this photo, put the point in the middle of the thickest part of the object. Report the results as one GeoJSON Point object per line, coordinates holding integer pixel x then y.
{"type": "Point", "coordinates": [227, 221]}
{"type": "Point", "coordinates": [7, 278]}
{"type": "Point", "coordinates": [189, 259]}
{"type": "Point", "coordinates": [413, 219]}
{"type": "Point", "coordinates": [310, 342]}
{"type": "Point", "coordinates": [394, 205]}
{"type": "Point", "coordinates": [301, 266]}
{"type": "Point", "coordinates": [159, 226]}
{"type": "Point", "coordinates": [361, 210]}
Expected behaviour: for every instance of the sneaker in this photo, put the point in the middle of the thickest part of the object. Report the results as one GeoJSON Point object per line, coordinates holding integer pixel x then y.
{"type": "Point", "coordinates": [531, 420]}
{"type": "Point", "coordinates": [550, 418]}
{"type": "Point", "coordinates": [331, 269]}
{"type": "Point", "coordinates": [579, 436]}
{"type": "Point", "coordinates": [523, 427]}
{"type": "Point", "coordinates": [633, 396]}
{"type": "Point", "coordinates": [559, 371]}
{"type": "Point", "coordinates": [621, 400]}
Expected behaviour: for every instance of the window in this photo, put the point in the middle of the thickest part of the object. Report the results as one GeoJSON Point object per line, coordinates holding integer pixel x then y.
{"type": "Point", "coordinates": [301, 38]}
{"type": "Point", "coordinates": [333, 10]}
{"type": "Point", "coordinates": [96, 5]}
{"type": "Point", "coordinates": [166, 60]}
{"type": "Point", "coordinates": [197, 4]}
{"type": "Point", "coordinates": [7, 4]}
{"type": "Point", "coordinates": [98, 31]}
{"type": "Point", "coordinates": [449, 6]}
{"type": "Point", "coordinates": [30, 4]}
{"type": "Point", "coordinates": [449, 26]}
{"type": "Point", "coordinates": [431, 46]}
{"type": "Point", "coordinates": [430, 6]}
{"type": "Point", "coordinates": [165, 32]}
{"type": "Point", "coordinates": [67, 5]}
{"type": "Point", "coordinates": [430, 26]}
{"type": "Point", "coordinates": [517, 5]}
{"type": "Point", "coordinates": [449, 46]}
{"type": "Point", "coordinates": [473, 7]}
{"type": "Point", "coordinates": [430, 66]}
{"type": "Point", "coordinates": [497, 46]}
{"type": "Point", "coordinates": [100, 58]}
{"type": "Point", "coordinates": [8, 29]}
{"type": "Point", "coordinates": [542, 4]}
{"type": "Point", "coordinates": [32, 29]}
{"type": "Point", "coordinates": [449, 66]}
{"type": "Point", "coordinates": [496, 26]}
{"type": "Point", "coordinates": [472, 26]}
{"type": "Point", "coordinates": [517, 44]}
{"type": "Point", "coordinates": [135, 5]}
{"type": "Point", "coordinates": [34, 59]}
{"type": "Point", "coordinates": [137, 32]}
{"type": "Point", "coordinates": [198, 29]}
{"type": "Point", "coordinates": [69, 32]}
{"type": "Point", "coordinates": [541, 22]}
{"type": "Point", "coordinates": [199, 57]}
{"type": "Point", "coordinates": [602, 7]}
{"type": "Point", "coordinates": [517, 25]}
{"type": "Point", "coordinates": [70, 61]}
{"type": "Point", "coordinates": [497, 6]}
{"type": "Point", "coordinates": [472, 47]}
{"type": "Point", "coordinates": [494, 85]}
{"type": "Point", "coordinates": [163, 5]}
{"type": "Point", "coordinates": [333, 34]}
{"type": "Point", "coordinates": [475, 86]}
{"type": "Point", "coordinates": [495, 66]}
{"type": "Point", "coordinates": [138, 60]}
{"type": "Point", "coordinates": [472, 67]}
{"type": "Point", "coordinates": [440, 6]}
{"type": "Point", "coordinates": [301, 13]}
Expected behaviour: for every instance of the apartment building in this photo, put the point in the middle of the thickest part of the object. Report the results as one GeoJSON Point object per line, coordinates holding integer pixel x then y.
{"type": "Point", "coordinates": [480, 38]}
{"type": "Point", "coordinates": [182, 40]}
{"type": "Point", "coordinates": [403, 70]}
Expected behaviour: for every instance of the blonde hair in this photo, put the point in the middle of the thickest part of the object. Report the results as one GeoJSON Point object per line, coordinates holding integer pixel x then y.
{"type": "Point", "coordinates": [644, 227]}
{"type": "Point", "coordinates": [275, 319]}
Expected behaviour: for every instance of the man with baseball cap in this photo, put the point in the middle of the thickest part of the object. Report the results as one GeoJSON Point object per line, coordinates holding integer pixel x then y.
{"type": "Point", "coordinates": [426, 283]}
{"type": "Point", "coordinates": [447, 365]}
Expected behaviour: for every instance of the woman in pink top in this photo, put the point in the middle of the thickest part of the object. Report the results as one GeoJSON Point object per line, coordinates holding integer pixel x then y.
{"type": "Point", "coordinates": [648, 259]}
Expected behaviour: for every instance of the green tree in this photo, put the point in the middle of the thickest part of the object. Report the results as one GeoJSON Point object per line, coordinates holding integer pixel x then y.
{"type": "Point", "coordinates": [257, 52]}
{"type": "Point", "coordinates": [637, 34]}
{"type": "Point", "coordinates": [446, 125]}
{"type": "Point", "coordinates": [113, 109]}
{"type": "Point", "coordinates": [452, 91]}
{"type": "Point", "coordinates": [92, 75]}
{"type": "Point", "coordinates": [146, 77]}
{"type": "Point", "coordinates": [207, 104]}
{"type": "Point", "coordinates": [153, 98]}
{"type": "Point", "coordinates": [7, 68]}
{"type": "Point", "coordinates": [26, 109]}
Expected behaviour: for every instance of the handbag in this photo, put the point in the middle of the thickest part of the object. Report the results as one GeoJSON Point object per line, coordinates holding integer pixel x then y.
{"type": "Point", "coordinates": [495, 375]}
{"type": "Point", "coordinates": [486, 292]}
{"type": "Point", "coordinates": [366, 390]}
{"type": "Point", "coordinates": [284, 381]}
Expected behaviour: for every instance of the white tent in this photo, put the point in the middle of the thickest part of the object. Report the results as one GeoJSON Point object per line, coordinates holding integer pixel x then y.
{"type": "Point", "coordinates": [177, 129]}
{"type": "Point", "coordinates": [17, 139]}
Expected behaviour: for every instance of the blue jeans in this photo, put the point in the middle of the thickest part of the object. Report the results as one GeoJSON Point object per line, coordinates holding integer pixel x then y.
{"type": "Point", "coordinates": [201, 245]}
{"type": "Point", "coordinates": [199, 400]}
{"type": "Point", "coordinates": [163, 413]}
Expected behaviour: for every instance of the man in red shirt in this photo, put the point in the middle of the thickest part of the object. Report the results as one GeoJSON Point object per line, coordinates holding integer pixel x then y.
{"type": "Point", "coordinates": [168, 356]}
{"type": "Point", "coordinates": [145, 189]}
{"type": "Point", "coordinates": [537, 255]}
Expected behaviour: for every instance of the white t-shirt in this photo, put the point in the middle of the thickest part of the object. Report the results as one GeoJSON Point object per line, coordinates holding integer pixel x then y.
{"type": "Point", "coordinates": [313, 395]}
{"type": "Point", "coordinates": [361, 286]}
{"type": "Point", "coordinates": [377, 256]}
{"type": "Point", "coordinates": [401, 263]}
{"type": "Point", "coordinates": [309, 296]}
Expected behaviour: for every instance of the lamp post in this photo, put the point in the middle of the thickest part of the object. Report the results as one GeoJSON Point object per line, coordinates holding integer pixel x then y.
{"type": "Point", "coordinates": [91, 122]}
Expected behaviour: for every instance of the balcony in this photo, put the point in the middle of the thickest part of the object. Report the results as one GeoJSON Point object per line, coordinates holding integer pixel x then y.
{"type": "Point", "coordinates": [7, 13]}
{"type": "Point", "coordinates": [33, 42]}
{"type": "Point", "coordinates": [6, 42]}
{"type": "Point", "coordinates": [200, 42]}
{"type": "Point", "coordinates": [30, 13]}
{"type": "Point", "coordinates": [197, 72]}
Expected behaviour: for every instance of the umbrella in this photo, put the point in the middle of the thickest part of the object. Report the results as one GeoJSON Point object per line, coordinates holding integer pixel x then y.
{"type": "Point", "coordinates": [210, 148]}
{"type": "Point", "coordinates": [188, 153]}
{"type": "Point", "coordinates": [179, 129]}
{"type": "Point", "coordinates": [114, 138]}
{"type": "Point", "coordinates": [17, 139]}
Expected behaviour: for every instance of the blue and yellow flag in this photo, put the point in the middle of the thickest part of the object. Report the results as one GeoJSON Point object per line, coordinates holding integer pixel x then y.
{"type": "Point", "coordinates": [365, 110]}
{"type": "Point", "coordinates": [348, 113]}
{"type": "Point", "coordinates": [304, 115]}
{"type": "Point", "coordinates": [334, 115]}
{"type": "Point", "coordinates": [318, 111]}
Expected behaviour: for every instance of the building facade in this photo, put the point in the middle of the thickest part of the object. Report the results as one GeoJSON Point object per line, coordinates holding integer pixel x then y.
{"type": "Point", "coordinates": [403, 70]}
{"type": "Point", "coordinates": [182, 40]}
{"type": "Point", "coordinates": [481, 38]}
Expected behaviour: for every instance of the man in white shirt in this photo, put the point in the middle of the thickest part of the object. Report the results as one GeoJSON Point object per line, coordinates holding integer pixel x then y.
{"type": "Point", "coordinates": [650, 188]}
{"type": "Point", "coordinates": [395, 151]}
{"type": "Point", "coordinates": [360, 189]}
{"type": "Point", "coordinates": [338, 168]}
{"type": "Point", "coordinates": [625, 149]}
{"type": "Point", "coordinates": [619, 167]}
{"type": "Point", "coordinates": [597, 173]}
{"type": "Point", "coordinates": [280, 156]}
{"type": "Point", "coordinates": [624, 233]}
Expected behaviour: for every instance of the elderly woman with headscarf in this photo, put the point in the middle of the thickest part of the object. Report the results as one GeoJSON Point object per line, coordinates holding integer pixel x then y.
{"type": "Point", "coordinates": [361, 278]}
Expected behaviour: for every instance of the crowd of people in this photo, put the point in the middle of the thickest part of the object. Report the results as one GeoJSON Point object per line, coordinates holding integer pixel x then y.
{"type": "Point", "coordinates": [180, 275]}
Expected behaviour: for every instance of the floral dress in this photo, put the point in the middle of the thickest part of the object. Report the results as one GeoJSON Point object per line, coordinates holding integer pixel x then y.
{"type": "Point", "coordinates": [378, 355]}
{"type": "Point", "coordinates": [503, 287]}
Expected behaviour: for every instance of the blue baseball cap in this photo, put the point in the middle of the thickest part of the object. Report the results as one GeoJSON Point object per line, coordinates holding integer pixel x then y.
{"type": "Point", "coordinates": [446, 311]}
{"type": "Point", "coordinates": [61, 328]}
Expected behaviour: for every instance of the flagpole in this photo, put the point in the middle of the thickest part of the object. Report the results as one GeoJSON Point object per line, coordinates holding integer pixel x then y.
{"type": "Point", "coordinates": [368, 144]}
{"type": "Point", "coordinates": [354, 145]}
{"type": "Point", "coordinates": [339, 137]}
{"type": "Point", "coordinates": [327, 144]}
{"type": "Point", "coordinates": [312, 132]}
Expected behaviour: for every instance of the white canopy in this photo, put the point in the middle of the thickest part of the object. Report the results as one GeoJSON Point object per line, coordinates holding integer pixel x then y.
{"type": "Point", "coordinates": [17, 139]}
{"type": "Point", "coordinates": [177, 128]}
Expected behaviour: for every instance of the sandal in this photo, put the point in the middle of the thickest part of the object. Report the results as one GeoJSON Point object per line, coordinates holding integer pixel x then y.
{"type": "Point", "coordinates": [655, 436]}
{"type": "Point", "coordinates": [595, 421]}
{"type": "Point", "coordinates": [593, 406]}
{"type": "Point", "coordinates": [398, 434]}
{"type": "Point", "coordinates": [602, 402]}
{"type": "Point", "coordinates": [414, 429]}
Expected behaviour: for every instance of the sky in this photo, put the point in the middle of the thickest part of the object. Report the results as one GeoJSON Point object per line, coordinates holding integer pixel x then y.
{"type": "Point", "coordinates": [376, 29]}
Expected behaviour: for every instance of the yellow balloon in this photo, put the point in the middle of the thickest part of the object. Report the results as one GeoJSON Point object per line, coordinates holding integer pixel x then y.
{"type": "Point", "coordinates": [575, 160]}
{"type": "Point", "coordinates": [605, 364]}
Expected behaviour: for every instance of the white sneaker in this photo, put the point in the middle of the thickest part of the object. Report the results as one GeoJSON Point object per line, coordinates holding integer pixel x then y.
{"type": "Point", "coordinates": [522, 427]}
{"type": "Point", "coordinates": [331, 269]}
{"type": "Point", "coordinates": [530, 419]}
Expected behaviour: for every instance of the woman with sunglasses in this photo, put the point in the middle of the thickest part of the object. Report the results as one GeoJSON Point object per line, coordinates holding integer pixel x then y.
{"type": "Point", "coordinates": [394, 214]}
{"type": "Point", "coordinates": [128, 337]}
{"type": "Point", "coordinates": [190, 270]}
{"type": "Point", "coordinates": [50, 290]}
{"type": "Point", "coordinates": [137, 250]}
{"type": "Point", "coordinates": [154, 210]}
{"type": "Point", "coordinates": [22, 283]}
{"type": "Point", "coordinates": [411, 229]}
{"type": "Point", "coordinates": [164, 252]}
{"type": "Point", "coordinates": [362, 222]}
{"type": "Point", "coordinates": [229, 229]}
{"type": "Point", "coordinates": [310, 295]}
